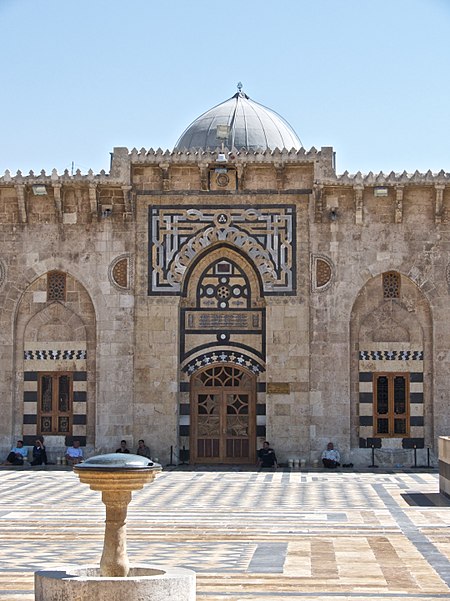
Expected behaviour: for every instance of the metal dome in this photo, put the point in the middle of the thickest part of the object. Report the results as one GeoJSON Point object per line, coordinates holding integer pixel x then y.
{"type": "Point", "coordinates": [239, 123]}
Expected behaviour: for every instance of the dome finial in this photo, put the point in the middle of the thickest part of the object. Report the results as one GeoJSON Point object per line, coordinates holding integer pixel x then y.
{"type": "Point", "coordinates": [239, 86]}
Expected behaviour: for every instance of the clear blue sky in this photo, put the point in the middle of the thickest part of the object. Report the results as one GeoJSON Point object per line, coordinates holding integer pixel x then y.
{"type": "Point", "coordinates": [370, 78]}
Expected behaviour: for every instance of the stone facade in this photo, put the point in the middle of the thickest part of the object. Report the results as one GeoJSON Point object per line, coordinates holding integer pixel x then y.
{"type": "Point", "coordinates": [314, 305]}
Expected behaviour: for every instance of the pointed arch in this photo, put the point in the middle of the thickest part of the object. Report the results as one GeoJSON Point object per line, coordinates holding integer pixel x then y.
{"type": "Point", "coordinates": [213, 254]}
{"type": "Point", "coordinates": [54, 351]}
{"type": "Point", "coordinates": [391, 353]}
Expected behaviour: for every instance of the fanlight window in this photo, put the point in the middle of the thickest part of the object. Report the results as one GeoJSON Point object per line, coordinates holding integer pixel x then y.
{"type": "Point", "coordinates": [223, 375]}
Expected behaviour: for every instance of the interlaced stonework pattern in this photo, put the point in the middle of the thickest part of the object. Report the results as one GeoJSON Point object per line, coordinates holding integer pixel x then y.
{"type": "Point", "coordinates": [178, 235]}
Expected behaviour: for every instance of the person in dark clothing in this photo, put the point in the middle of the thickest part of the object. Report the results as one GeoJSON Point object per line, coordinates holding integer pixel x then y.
{"type": "Point", "coordinates": [123, 447]}
{"type": "Point", "coordinates": [39, 452]}
{"type": "Point", "coordinates": [143, 449]}
{"type": "Point", "coordinates": [266, 456]}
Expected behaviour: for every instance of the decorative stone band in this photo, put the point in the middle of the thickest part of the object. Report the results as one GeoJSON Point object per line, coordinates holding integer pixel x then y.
{"type": "Point", "coordinates": [223, 356]}
{"type": "Point", "coordinates": [391, 355]}
{"type": "Point", "coordinates": [55, 355]}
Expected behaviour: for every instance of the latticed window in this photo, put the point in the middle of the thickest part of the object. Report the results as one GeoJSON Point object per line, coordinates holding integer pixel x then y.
{"type": "Point", "coordinates": [391, 284]}
{"type": "Point", "coordinates": [391, 404]}
{"type": "Point", "coordinates": [55, 394]}
{"type": "Point", "coordinates": [56, 286]}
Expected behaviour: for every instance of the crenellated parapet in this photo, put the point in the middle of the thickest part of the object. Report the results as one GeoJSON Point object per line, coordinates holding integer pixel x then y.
{"type": "Point", "coordinates": [211, 155]}
{"type": "Point", "coordinates": [224, 170]}
{"type": "Point", "coordinates": [54, 178]}
{"type": "Point", "coordinates": [394, 187]}
{"type": "Point", "coordinates": [391, 179]}
{"type": "Point", "coordinates": [71, 198]}
{"type": "Point", "coordinates": [65, 198]}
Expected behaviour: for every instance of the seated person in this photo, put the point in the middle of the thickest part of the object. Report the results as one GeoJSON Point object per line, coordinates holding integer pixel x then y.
{"type": "Point", "coordinates": [17, 455]}
{"type": "Point", "coordinates": [39, 453]}
{"type": "Point", "coordinates": [74, 454]}
{"type": "Point", "coordinates": [143, 450]}
{"type": "Point", "coordinates": [266, 456]}
{"type": "Point", "coordinates": [123, 447]}
{"type": "Point", "coordinates": [331, 457]}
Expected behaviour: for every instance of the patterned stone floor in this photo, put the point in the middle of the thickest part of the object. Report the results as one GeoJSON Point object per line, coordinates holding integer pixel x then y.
{"type": "Point", "coordinates": [249, 535]}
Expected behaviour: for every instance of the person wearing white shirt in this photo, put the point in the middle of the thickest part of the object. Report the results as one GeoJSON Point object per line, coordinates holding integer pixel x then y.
{"type": "Point", "coordinates": [74, 454]}
{"type": "Point", "coordinates": [330, 457]}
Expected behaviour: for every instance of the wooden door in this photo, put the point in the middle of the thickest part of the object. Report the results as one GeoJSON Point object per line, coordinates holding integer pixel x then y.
{"type": "Point", "coordinates": [223, 416]}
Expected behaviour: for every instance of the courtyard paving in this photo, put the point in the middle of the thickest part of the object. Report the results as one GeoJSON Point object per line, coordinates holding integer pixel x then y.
{"type": "Point", "coordinates": [249, 535]}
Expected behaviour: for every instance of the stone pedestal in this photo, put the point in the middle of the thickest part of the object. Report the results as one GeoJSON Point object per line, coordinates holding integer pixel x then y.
{"type": "Point", "coordinates": [144, 582]}
{"type": "Point", "coordinates": [444, 465]}
{"type": "Point", "coordinates": [115, 475]}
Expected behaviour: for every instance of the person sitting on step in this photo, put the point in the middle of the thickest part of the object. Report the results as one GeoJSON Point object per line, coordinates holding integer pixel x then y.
{"type": "Point", "coordinates": [143, 449]}
{"type": "Point", "coordinates": [17, 455]}
{"type": "Point", "coordinates": [266, 456]}
{"type": "Point", "coordinates": [74, 454]}
{"type": "Point", "coordinates": [331, 456]}
{"type": "Point", "coordinates": [39, 452]}
{"type": "Point", "coordinates": [123, 447]}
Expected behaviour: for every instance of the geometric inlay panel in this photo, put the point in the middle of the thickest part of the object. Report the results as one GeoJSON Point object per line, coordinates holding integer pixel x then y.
{"type": "Point", "coordinates": [179, 234]}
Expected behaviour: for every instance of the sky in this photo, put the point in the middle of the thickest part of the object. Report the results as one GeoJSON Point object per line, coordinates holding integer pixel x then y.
{"type": "Point", "coordinates": [369, 77]}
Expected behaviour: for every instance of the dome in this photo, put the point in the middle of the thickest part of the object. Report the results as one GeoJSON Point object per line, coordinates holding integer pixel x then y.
{"type": "Point", "coordinates": [239, 123]}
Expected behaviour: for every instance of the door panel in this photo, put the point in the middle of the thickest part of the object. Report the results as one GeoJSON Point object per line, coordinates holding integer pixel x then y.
{"type": "Point", "coordinates": [223, 425]}
{"type": "Point", "coordinates": [208, 425]}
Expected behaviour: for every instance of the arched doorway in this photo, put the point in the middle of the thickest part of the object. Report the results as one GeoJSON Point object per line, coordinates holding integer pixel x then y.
{"type": "Point", "coordinates": [223, 423]}
{"type": "Point", "coordinates": [392, 399]}
{"type": "Point", "coordinates": [55, 358]}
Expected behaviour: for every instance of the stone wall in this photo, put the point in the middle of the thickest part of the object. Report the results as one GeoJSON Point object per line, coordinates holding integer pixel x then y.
{"type": "Point", "coordinates": [309, 247]}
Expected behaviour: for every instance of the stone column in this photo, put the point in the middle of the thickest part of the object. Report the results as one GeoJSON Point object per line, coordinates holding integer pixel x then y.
{"type": "Point", "coordinates": [114, 561]}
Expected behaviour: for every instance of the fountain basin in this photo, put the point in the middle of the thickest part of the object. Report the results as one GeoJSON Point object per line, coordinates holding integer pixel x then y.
{"type": "Point", "coordinates": [144, 583]}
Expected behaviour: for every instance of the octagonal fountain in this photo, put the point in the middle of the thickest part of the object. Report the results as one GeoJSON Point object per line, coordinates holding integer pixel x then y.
{"type": "Point", "coordinates": [116, 476]}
